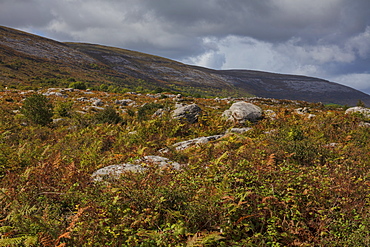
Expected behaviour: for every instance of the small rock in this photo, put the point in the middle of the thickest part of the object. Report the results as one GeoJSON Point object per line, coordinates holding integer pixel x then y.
{"type": "Point", "coordinates": [364, 124]}
{"type": "Point", "coordinates": [238, 130]}
{"type": "Point", "coordinates": [123, 102]}
{"type": "Point", "coordinates": [270, 114]}
{"type": "Point", "coordinates": [97, 102]}
{"type": "Point", "coordinates": [59, 120]}
{"type": "Point", "coordinates": [302, 111]}
{"type": "Point", "coordinates": [82, 99]}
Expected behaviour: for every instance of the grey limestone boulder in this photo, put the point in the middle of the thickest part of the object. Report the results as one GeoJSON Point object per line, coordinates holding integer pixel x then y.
{"type": "Point", "coordinates": [197, 141]}
{"type": "Point", "coordinates": [358, 109]}
{"type": "Point", "coordinates": [242, 111]}
{"type": "Point", "coordinates": [113, 172]}
{"type": "Point", "coordinates": [189, 113]}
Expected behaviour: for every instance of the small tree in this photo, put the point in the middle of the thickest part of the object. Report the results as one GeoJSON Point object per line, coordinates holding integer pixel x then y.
{"type": "Point", "coordinates": [78, 85]}
{"type": "Point", "coordinates": [360, 103]}
{"type": "Point", "coordinates": [63, 109]}
{"type": "Point", "coordinates": [108, 115]}
{"type": "Point", "coordinates": [38, 109]}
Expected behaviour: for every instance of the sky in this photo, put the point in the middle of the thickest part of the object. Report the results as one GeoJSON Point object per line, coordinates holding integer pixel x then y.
{"type": "Point", "coordinates": [329, 39]}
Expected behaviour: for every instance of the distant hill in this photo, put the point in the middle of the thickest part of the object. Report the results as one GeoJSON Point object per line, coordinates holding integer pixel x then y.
{"type": "Point", "coordinates": [31, 61]}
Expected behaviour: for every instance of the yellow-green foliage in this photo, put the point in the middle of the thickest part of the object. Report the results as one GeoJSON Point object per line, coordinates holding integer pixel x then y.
{"type": "Point", "coordinates": [291, 181]}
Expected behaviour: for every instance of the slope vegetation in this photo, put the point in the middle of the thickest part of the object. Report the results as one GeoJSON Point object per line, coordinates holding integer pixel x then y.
{"type": "Point", "coordinates": [299, 176]}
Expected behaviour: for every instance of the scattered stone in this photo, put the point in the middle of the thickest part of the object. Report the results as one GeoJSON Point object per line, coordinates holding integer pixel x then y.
{"type": "Point", "coordinates": [238, 130]}
{"type": "Point", "coordinates": [82, 99]}
{"type": "Point", "coordinates": [364, 124]}
{"type": "Point", "coordinates": [59, 120]}
{"type": "Point", "coordinates": [92, 108]}
{"type": "Point", "coordinates": [189, 113]}
{"type": "Point", "coordinates": [331, 145]}
{"type": "Point", "coordinates": [270, 114]}
{"type": "Point", "coordinates": [55, 94]}
{"type": "Point", "coordinates": [159, 112]}
{"type": "Point", "coordinates": [124, 102]}
{"type": "Point", "coordinates": [96, 102]}
{"type": "Point", "coordinates": [242, 112]}
{"type": "Point", "coordinates": [178, 98]}
{"type": "Point", "coordinates": [67, 90]}
{"type": "Point", "coordinates": [302, 111]}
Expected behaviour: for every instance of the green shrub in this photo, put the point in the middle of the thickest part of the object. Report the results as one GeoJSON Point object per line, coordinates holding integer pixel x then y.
{"type": "Point", "coordinates": [147, 109]}
{"type": "Point", "coordinates": [108, 115]}
{"type": "Point", "coordinates": [63, 109]}
{"type": "Point", "coordinates": [38, 109]}
{"type": "Point", "coordinates": [78, 85]}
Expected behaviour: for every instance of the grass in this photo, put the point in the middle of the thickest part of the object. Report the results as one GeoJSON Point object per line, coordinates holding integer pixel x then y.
{"type": "Point", "coordinates": [291, 181]}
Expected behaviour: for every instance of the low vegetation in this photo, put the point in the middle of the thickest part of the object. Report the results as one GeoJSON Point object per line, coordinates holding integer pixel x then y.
{"type": "Point", "coordinates": [292, 180]}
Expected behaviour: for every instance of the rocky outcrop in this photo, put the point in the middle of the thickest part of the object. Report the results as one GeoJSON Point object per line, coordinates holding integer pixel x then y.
{"type": "Point", "coordinates": [242, 111]}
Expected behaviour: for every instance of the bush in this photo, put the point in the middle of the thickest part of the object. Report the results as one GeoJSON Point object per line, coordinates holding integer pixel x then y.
{"type": "Point", "coordinates": [63, 109]}
{"type": "Point", "coordinates": [147, 109]}
{"type": "Point", "coordinates": [78, 85]}
{"type": "Point", "coordinates": [108, 115]}
{"type": "Point", "coordinates": [38, 109]}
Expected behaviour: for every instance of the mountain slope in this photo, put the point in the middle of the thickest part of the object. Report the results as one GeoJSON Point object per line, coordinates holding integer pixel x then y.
{"type": "Point", "coordinates": [32, 61]}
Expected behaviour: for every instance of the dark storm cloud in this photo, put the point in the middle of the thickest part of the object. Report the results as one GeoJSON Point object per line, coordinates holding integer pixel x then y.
{"type": "Point", "coordinates": [328, 38]}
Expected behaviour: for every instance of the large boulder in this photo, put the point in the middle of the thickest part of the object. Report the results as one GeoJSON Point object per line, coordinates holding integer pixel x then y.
{"type": "Point", "coordinates": [113, 172]}
{"type": "Point", "coordinates": [358, 109]}
{"type": "Point", "coordinates": [242, 111]}
{"type": "Point", "coordinates": [189, 113]}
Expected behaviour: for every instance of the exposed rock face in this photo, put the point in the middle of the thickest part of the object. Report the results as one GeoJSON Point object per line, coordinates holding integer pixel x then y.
{"type": "Point", "coordinates": [188, 113]}
{"type": "Point", "coordinates": [358, 109]}
{"type": "Point", "coordinates": [242, 112]}
{"type": "Point", "coordinates": [113, 172]}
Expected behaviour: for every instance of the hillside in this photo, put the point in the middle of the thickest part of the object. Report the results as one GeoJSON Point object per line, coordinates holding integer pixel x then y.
{"type": "Point", "coordinates": [91, 168]}
{"type": "Point", "coordinates": [30, 61]}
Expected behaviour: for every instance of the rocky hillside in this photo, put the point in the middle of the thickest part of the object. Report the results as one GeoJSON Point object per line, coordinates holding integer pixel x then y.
{"type": "Point", "coordinates": [30, 61]}
{"type": "Point", "coordinates": [92, 168]}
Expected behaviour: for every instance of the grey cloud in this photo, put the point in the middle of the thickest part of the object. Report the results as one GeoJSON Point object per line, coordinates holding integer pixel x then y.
{"type": "Point", "coordinates": [24, 13]}
{"type": "Point", "coordinates": [315, 37]}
